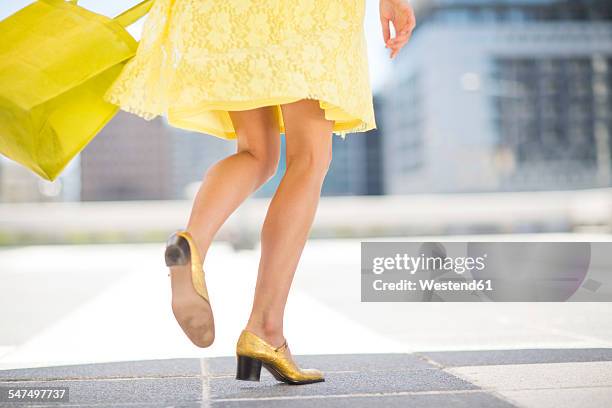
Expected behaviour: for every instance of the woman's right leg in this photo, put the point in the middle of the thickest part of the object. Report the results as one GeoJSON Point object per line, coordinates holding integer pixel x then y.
{"type": "Point", "coordinates": [225, 186]}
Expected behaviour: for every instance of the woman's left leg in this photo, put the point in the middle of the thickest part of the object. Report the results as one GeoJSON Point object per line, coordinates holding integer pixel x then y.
{"type": "Point", "coordinates": [290, 214]}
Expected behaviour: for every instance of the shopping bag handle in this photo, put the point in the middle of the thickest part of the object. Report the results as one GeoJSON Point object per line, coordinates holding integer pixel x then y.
{"type": "Point", "coordinates": [130, 15]}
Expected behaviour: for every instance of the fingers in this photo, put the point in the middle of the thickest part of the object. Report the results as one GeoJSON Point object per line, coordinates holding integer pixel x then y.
{"type": "Point", "coordinates": [389, 42]}
{"type": "Point", "coordinates": [403, 24]}
{"type": "Point", "coordinates": [400, 39]}
{"type": "Point", "coordinates": [384, 22]}
{"type": "Point", "coordinates": [398, 42]}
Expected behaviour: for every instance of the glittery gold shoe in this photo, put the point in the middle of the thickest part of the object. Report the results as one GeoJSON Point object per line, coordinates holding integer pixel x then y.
{"type": "Point", "coordinates": [254, 352]}
{"type": "Point", "coordinates": [190, 303]}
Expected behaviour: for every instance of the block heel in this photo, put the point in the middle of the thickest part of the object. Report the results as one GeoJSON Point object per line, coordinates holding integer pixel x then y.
{"type": "Point", "coordinates": [177, 251]}
{"type": "Point", "coordinates": [248, 369]}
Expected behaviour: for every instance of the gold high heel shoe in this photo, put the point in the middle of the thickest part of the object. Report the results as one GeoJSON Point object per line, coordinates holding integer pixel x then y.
{"type": "Point", "coordinates": [253, 352]}
{"type": "Point", "coordinates": [190, 302]}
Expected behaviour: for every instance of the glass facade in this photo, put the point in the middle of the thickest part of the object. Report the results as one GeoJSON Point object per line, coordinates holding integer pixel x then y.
{"type": "Point", "coordinates": [552, 113]}
{"type": "Point", "coordinates": [514, 11]}
{"type": "Point", "coordinates": [473, 107]}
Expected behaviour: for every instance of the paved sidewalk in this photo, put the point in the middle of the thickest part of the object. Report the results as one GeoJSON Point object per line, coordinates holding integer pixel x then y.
{"type": "Point", "coordinates": [496, 378]}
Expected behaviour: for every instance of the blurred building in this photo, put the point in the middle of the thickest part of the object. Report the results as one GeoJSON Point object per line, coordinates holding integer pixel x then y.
{"type": "Point", "coordinates": [374, 169]}
{"type": "Point", "coordinates": [20, 184]}
{"type": "Point", "coordinates": [501, 95]}
{"type": "Point", "coordinates": [130, 159]}
{"type": "Point", "coordinates": [134, 159]}
{"type": "Point", "coordinates": [356, 167]}
{"type": "Point", "coordinates": [192, 154]}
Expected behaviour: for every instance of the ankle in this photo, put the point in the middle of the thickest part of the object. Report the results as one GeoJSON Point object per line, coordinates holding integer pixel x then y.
{"type": "Point", "coordinates": [200, 244]}
{"type": "Point", "coordinates": [271, 333]}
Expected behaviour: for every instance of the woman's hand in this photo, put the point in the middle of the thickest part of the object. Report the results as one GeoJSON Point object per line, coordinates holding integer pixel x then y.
{"type": "Point", "coordinates": [400, 13]}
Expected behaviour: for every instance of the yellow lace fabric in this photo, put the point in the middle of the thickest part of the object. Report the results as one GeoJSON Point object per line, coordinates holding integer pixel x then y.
{"type": "Point", "coordinates": [199, 59]}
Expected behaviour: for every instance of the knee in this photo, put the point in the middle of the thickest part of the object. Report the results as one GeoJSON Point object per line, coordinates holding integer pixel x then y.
{"type": "Point", "coordinates": [313, 163]}
{"type": "Point", "coordinates": [267, 161]}
{"type": "Point", "coordinates": [270, 166]}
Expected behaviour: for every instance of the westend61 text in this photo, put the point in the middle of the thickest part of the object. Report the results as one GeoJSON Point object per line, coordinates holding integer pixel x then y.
{"type": "Point", "coordinates": [430, 284]}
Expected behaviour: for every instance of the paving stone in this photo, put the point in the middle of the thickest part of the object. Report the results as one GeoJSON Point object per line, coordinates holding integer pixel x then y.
{"type": "Point", "coordinates": [538, 376]}
{"type": "Point", "coordinates": [194, 404]}
{"type": "Point", "coordinates": [334, 362]}
{"type": "Point", "coordinates": [124, 391]}
{"type": "Point", "coordinates": [341, 384]}
{"type": "Point", "coordinates": [527, 356]}
{"type": "Point", "coordinates": [563, 398]}
{"type": "Point", "coordinates": [183, 367]}
{"type": "Point", "coordinates": [455, 400]}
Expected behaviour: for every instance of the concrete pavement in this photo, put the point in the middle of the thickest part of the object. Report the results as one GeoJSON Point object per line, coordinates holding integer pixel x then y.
{"type": "Point", "coordinates": [494, 378]}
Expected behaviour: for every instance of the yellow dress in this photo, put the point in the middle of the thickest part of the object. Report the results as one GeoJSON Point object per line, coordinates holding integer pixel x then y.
{"type": "Point", "coordinates": [199, 59]}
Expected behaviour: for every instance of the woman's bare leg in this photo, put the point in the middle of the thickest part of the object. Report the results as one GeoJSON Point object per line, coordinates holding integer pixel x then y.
{"type": "Point", "coordinates": [230, 181]}
{"type": "Point", "coordinates": [225, 186]}
{"type": "Point", "coordinates": [290, 214]}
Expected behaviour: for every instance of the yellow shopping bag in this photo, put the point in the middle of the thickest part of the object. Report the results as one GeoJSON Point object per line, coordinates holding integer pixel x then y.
{"type": "Point", "coordinates": [56, 62]}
